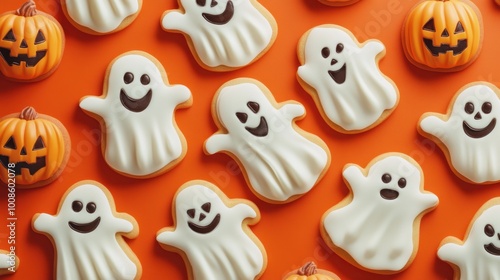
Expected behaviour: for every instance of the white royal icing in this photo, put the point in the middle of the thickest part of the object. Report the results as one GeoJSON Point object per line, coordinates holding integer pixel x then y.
{"type": "Point", "coordinates": [139, 143]}
{"type": "Point", "coordinates": [376, 232]}
{"type": "Point", "coordinates": [5, 261]}
{"type": "Point", "coordinates": [102, 16]}
{"type": "Point", "coordinates": [478, 257]}
{"type": "Point", "coordinates": [235, 43]}
{"type": "Point", "coordinates": [358, 101]}
{"type": "Point", "coordinates": [279, 165]}
{"type": "Point", "coordinates": [226, 252]}
{"type": "Point", "coordinates": [476, 158]}
{"type": "Point", "coordinates": [88, 255]}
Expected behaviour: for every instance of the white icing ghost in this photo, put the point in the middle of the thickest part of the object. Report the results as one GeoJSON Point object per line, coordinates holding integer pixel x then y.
{"type": "Point", "coordinates": [377, 228]}
{"type": "Point", "coordinates": [213, 233]}
{"type": "Point", "coordinates": [101, 16]}
{"type": "Point", "coordinates": [87, 236]}
{"type": "Point", "coordinates": [478, 257]}
{"type": "Point", "coordinates": [469, 132]}
{"type": "Point", "coordinates": [279, 161]}
{"type": "Point", "coordinates": [230, 33]}
{"type": "Point", "coordinates": [138, 108]}
{"type": "Point", "coordinates": [349, 87]}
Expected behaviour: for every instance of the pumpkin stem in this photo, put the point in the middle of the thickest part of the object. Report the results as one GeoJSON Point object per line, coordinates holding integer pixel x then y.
{"type": "Point", "coordinates": [28, 114]}
{"type": "Point", "coordinates": [28, 9]}
{"type": "Point", "coordinates": [308, 269]}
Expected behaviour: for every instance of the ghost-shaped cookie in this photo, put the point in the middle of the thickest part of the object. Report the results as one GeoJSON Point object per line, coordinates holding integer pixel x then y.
{"type": "Point", "coordinates": [280, 161]}
{"type": "Point", "coordinates": [101, 16]}
{"type": "Point", "coordinates": [224, 34]}
{"type": "Point", "coordinates": [9, 262]}
{"type": "Point", "coordinates": [468, 133]}
{"type": "Point", "coordinates": [344, 78]}
{"type": "Point", "coordinates": [212, 234]}
{"type": "Point", "coordinates": [376, 228]}
{"type": "Point", "coordinates": [140, 136]}
{"type": "Point", "coordinates": [478, 256]}
{"type": "Point", "coordinates": [87, 235]}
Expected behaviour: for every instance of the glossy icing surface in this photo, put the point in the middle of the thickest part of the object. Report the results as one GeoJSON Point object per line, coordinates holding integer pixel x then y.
{"type": "Point", "coordinates": [379, 227]}
{"type": "Point", "coordinates": [478, 256]}
{"type": "Point", "coordinates": [85, 234]}
{"type": "Point", "coordinates": [469, 132]}
{"type": "Point", "coordinates": [349, 86]}
{"type": "Point", "coordinates": [137, 109]}
{"type": "Point", "coordinates": [102, 16]}
{"type": "Point", "coordinates": [278, 160]}
{"type": "Point", "coordinates": [225, 32]}
{"type": "Point", "coordinates": [226, 249]}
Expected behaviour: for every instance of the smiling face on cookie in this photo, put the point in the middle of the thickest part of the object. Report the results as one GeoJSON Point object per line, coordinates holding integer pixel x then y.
{"type": "Point", "coordinates": [484, 237]}
{"type": "Point", "coordinates": [216, 12]}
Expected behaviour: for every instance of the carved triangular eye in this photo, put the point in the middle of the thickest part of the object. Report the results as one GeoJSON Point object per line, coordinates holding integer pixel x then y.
{"type": "Point", "coordinates": [243, 117]}
{"type": "Point", "coordinates": [40, 38]}
{"type": "Point", "coordinates": [9, 36]}
{"type": "Point", "coordinates": [191, 213]}
{"type": "Point", "coordinates": [10, 144]}
{"type": "Point", "coordinates": [206, 207]}
{"type": "Point", "coordinates": [429, 25]}
{"type": "Point", "coordinates": [445, 33]}
{"type": "Point", "coordinates": [459, 28]}
{"type": "Point", "coordinates": [39, 144]}
{"type": "Point", "coordinates": [254, 106]}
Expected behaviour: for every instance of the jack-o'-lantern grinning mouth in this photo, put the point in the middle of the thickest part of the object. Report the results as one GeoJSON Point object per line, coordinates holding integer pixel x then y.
{"type": "Point", "coordinates": [135, 105]}
{"type": "Point", "coordinates": [17, 60]}
{"type": "Point", "coordinates": [444, 48]}
{"type": "Point", "coordinates": [222, 18]}
{"type": "Point", "coordinates": [32, 167]}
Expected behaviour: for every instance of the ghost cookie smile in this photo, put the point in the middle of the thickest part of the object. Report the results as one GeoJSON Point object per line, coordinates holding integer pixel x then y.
{"type": "Point", "coordinates": [259, 131]}
{"type": "Point", "coordinates": [339, 75]}
{"type": "Point", "coordinates": [140, 104]}
{"type": "Point", "coordinates": [489, 231]}
{"type": "Point", "coordinates": [478, 132]}
{"type": "Point", "coordinates": [220, 19]}
{"type": "Point", "coordinates": [388, 193]}
{"type": "Point", "coordinates": [77, 206]}
{"type": "Point", "coordinates": [199, 228]}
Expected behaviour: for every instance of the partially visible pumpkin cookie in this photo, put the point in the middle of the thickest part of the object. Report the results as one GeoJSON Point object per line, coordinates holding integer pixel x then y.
{"type": "Point", "coordinates": [310, 271]}
{"type": "Point", "coordinates": [34, 149]}
{"type": "Point", "coordinates": [31, 44]}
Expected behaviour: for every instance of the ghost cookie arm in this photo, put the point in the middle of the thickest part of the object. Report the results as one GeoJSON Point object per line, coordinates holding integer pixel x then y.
{"type": "Point", "coordinates": [432, 125]}
{"type": "Point", "coordinates": [374, 48]}
{"type": "Point", "coordinates": [217, 142]}
{"type": "Point", "coordinates": [451, 251]}
{"type": "Point", "coordinates": [94, 105]}
{"type": "Point", "coordinates": [168, 237]}
{"type": "Point", "coordinates": [245, 210]}
{"type": "Point", "coordinates": [44, 223]}
{"type": "Point", "coordinates": [182, 95]}
{"type": "Point", "coordinates": [354, 177]}
{"type": "Point", "coordinates": [292, 110]}
{"type": "Point", "coordinates": [175, 20]}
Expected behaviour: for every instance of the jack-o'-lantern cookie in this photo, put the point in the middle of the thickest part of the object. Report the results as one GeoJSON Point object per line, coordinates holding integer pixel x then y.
{"type": "Point", "coordinates": [87, 234]}
{"type": "Point", "coordinates": [280, 161]}
{"type": "Point", "coordinates": [468, 133]}
{"type": "Point", "coordinates": [212, 234]}
{"type": "Point", "coordinates": [344, 79]}
{"type": "Point", "coordinates": [310, 271]}
{"type": "Point", "coordinates": [136, 111]}
{"type": "Point", "coordinates": [376, 227]}
{"type": "Point", "coordinates": [31, 44]}
{"type": "Point", "coordinates": [34, 149]}
{"type": "Point", "coordinates": [9, 262]}
{"type": "Point", "coordinates": [99, 17]}
{"type": "Point", "coordinates": [223, 35]}
{"type": "Point", "coordinates": [478, 255]}
{"type": "Point", "coordinates": [443, 35]}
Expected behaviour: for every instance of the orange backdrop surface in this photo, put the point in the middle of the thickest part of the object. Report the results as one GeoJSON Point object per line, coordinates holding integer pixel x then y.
{"type": "Point", "coordinates": [289, 232]}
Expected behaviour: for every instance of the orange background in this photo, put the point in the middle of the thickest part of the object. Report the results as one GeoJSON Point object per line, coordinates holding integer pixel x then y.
{"type": "Point", "coordinates": [290, 232]}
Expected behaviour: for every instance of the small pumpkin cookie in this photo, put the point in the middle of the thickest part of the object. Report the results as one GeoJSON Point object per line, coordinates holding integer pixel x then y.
{"type": "Point", "coordinates": [34, 149]}
{"type": "Point", "coordinates": [31, 44]}
{"type": "Point", "coordinates": [443, 35]}
{"type": "Point", "coordinates": [310, 272]}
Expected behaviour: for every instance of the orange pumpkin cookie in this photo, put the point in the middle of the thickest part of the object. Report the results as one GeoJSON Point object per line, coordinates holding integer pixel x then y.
{"type": "Point", "coordinates": [310, 272]}
{"type": "Point", "coordinates": [31, 44]}
{"type": "Point", "coordinates": [443, 35]}
{"type": "Point", "coordinates": [34, 149]}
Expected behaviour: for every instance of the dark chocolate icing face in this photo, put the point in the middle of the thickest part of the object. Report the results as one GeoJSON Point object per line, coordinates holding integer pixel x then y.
{"type": "Point", "coordinates": [205, 209]}
{"type": "Point", "coordinates": [388, 193]}
{"type": "Point", "coordinates": [477, 133]}
{"type": "Point", "coordinates": [31, 167]}
{"type": "Point", "coordinates": [444, 48]}
{"type": "Point", "coordinates": [221, 18]}
{"type": "Point", "coordinates": [17, 60]}
{"type": "Point", "coordinates": [338, 76]}
{"type": "Point", "coordinates": [490, 247]}
{"type": "Point", "coordinates": [132, 104]}
{"type": "Point", "coordinates": [262, 129]}
{"type": "Point", "coordinates": [84, 228]}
